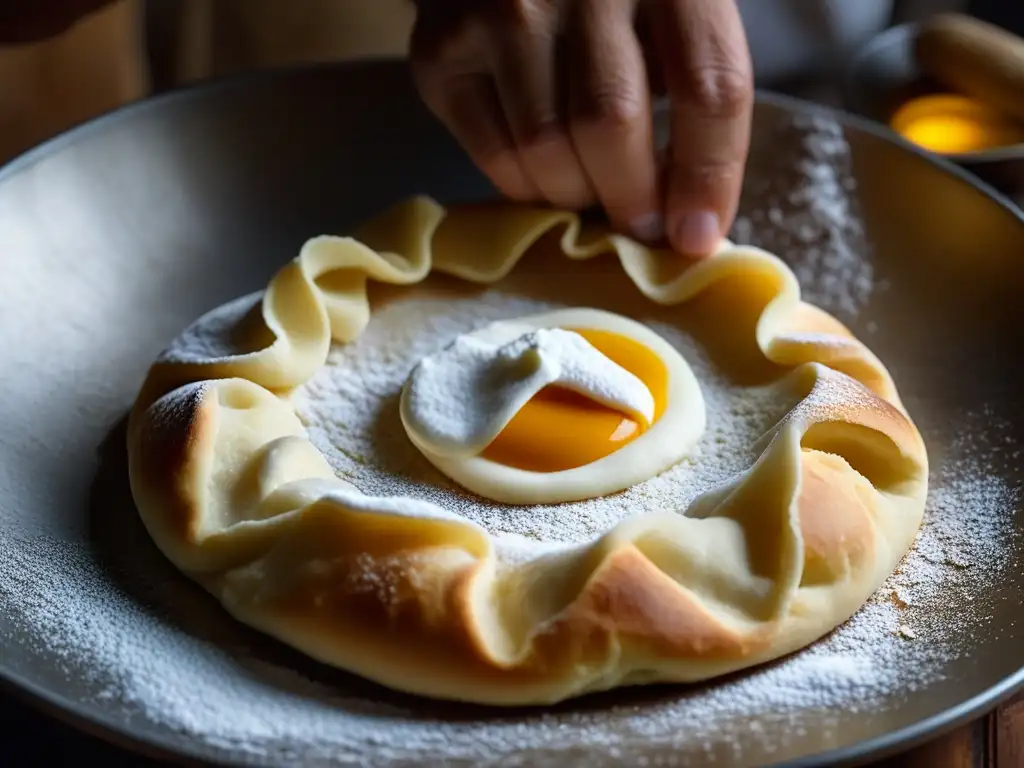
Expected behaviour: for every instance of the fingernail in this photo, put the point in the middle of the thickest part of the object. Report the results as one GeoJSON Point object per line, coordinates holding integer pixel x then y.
{"type": "Point", "coordinates": [697, 233]}
{"type": "Point", "coordinates": [648, 228]}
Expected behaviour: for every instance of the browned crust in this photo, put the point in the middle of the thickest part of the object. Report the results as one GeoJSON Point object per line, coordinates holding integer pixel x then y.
{"type": "Point", "coordinates": [165, 443]}
{"type": "Point", "coordinates": [371, 613]}
{"type": "Point", "coordinates": [403, 609]}
{"type": "Point", "coordinates": [405, 616]}
{"type": "Point", "coordinates": [630, 601]}
{"type": "Point", "coordinates": [835, 521]}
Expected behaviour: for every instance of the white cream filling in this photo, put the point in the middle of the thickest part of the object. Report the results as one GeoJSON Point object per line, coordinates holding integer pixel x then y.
{"type": "Point", "coordinates": [459, 400]}
{"type": "Point", "coordinates": [663, 444]}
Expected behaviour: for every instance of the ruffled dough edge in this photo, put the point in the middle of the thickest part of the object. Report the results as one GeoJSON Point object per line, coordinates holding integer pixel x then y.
{"type": "Point", "coordinates": [408, 595]}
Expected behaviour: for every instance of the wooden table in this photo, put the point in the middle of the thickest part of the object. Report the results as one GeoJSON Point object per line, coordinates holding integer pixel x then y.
{"type": "Point", "coordinates": [995, 741]}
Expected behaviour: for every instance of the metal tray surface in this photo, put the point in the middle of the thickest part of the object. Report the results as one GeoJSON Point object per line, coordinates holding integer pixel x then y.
{"type": "Point", "coordinates": [116, 235]}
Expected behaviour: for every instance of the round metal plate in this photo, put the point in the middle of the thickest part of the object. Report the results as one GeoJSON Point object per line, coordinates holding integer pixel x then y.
{"type": "Point", "coordinates": [118, 234]}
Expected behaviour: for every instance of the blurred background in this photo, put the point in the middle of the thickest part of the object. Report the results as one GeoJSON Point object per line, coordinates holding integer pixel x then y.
{"type": "Point", "coordinates": [132, 48]}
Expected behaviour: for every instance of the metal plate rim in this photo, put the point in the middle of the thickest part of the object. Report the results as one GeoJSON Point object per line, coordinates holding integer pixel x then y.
{"type": "Point", "coordinates": [81, 719]}
{"type": "Point", "coordinates": [95, 724]}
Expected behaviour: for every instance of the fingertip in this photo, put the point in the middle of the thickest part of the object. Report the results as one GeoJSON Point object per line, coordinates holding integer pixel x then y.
{"type": "Point", "coordinates": [648, 227]}
{"type": "Point", "coordinates": [695, 232]}
{"type": "Point", "coordinates": [701, 204]}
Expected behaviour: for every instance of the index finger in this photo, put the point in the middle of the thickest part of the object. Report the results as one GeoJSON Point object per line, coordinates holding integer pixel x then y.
{"type": "Point", "coordinates": [610, 115]}
{"type": "Point", "coordinates": [709, 79]}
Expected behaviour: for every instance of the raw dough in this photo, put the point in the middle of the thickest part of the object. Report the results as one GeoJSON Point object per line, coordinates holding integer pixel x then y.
{"type": "Point", "coordinates": [415, 597]}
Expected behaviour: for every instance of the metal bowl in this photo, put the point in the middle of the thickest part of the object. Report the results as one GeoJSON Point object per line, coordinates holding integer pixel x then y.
{"type": "Point", "coordinates": [883, 75]}
{"type": "Point", "coordinates": [116, 235]}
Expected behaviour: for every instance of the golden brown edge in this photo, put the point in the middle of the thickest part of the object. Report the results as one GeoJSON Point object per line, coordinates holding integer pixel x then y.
{"type": "Point", "coordinates": [624, 594]}
{"type": "Point", "coordinates": [422, 634]}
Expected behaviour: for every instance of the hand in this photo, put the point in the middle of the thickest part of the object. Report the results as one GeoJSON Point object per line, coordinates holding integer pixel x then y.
{"type": "Point", "coordinates": [552, 100]}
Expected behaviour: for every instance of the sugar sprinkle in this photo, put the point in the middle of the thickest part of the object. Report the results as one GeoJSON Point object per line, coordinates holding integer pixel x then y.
{"type": "Point", "coordinates": [150, 650]}
{"type": "Point", "coordinates": [232, 694]}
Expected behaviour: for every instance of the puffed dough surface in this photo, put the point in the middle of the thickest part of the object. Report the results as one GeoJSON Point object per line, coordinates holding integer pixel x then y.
{"type": "Point", "coordinates": [414, 597]}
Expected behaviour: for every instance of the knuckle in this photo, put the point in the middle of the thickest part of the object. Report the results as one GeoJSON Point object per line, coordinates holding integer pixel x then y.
{"type": "Point", "coordinates": [611, 110]}
{"type": "Point", "coordinates": [706, 175]}
{"type": "Point", "coordinates": [521, 15]}
{"type": "Point", "coordinates": [718, 90]}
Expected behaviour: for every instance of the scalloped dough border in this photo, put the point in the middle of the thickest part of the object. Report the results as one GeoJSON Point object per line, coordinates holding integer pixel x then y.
{"type": "Point", "coordinates": [409, 595]}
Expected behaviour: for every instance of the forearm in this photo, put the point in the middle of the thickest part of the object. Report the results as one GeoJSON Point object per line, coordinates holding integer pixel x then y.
{"type": "Point", "coordinates": [27, 21]}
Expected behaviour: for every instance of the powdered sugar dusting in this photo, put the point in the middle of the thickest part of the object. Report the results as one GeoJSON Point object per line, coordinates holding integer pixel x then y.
{"type": "Point", "coordinates": [350, 412]}
{"type": "Point", "coordinates": [807, 214]}
{"type": "Point", "coordinates": [155, 653]}
{"type": "Point", "coordinates": [213, 336]}
{"type": "Point", "coordinates": [195, 673]}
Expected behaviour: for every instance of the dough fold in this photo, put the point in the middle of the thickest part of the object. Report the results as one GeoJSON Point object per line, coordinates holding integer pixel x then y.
{"type": "Point", "coordinates": [416, 598]}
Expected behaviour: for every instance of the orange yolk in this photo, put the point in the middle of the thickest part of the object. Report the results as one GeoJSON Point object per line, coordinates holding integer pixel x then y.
{"type": "Point", "coordinates": [559, 429]}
